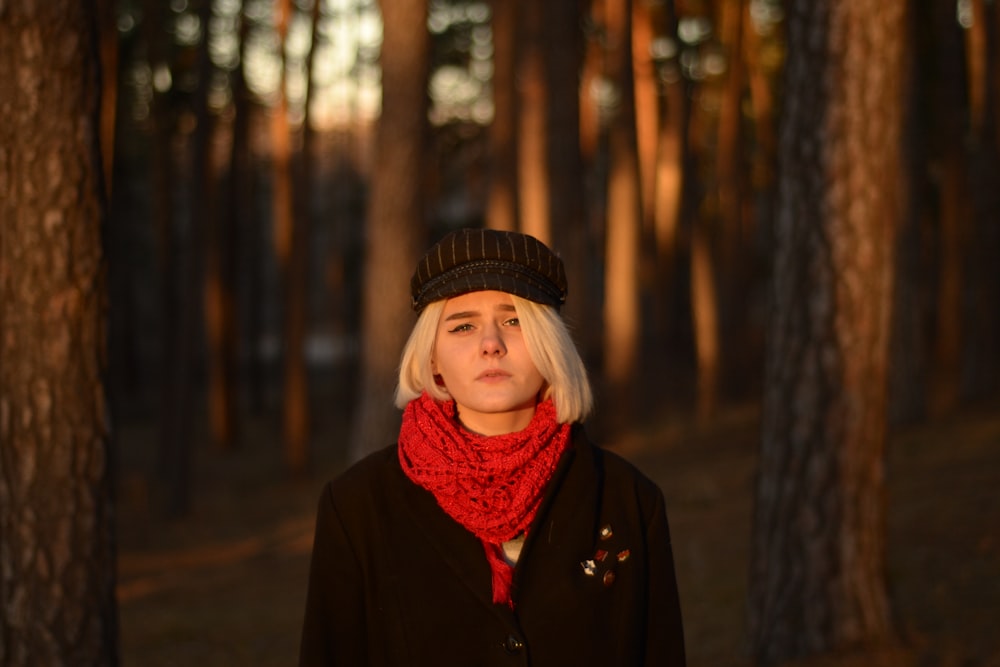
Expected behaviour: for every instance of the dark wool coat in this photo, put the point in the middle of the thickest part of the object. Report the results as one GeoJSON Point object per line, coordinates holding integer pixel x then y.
{"type": "Point", "coordinates": [395, 581]}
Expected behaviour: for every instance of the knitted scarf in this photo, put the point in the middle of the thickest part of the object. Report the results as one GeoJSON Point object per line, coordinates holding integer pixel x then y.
{"type": "Point", "coordinates": [491, 485]}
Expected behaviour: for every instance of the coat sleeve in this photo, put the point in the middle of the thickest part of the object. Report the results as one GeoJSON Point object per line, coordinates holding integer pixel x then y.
{"type": "Point", "coordinates": [665, 631]}
{"type": "Point", "coordinates": [333, 632]}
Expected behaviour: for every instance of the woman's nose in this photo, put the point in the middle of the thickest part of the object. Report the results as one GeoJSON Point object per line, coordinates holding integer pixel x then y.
{"type": "Point", "coordinates": [492, 343]}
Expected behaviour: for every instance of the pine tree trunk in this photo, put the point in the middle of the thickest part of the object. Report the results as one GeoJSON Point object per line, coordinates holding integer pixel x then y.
{"type": "Point", "coordinates": [572, 237]}
{"type": "Point", "coordinates": [818, 558]}
{"type": "Point", "coordinates": [668, 204]}
{"type": "Point", "coordinates": [533, 130]}
{"type": "Point", "coordinates": [948, 114]}
{"type": "Point", "coordinates": [297, 413]}
{"type": "Point", "coordinates": [623, 235]}
{"type": "Point", "coordinates": [503, 201]}
{"type": "Point", "coordinates": [982, 361]}
{"type": "Point", "coordinates": [295, 391]}
{"type": "Point", "coordinates": [395, 218]}
{"type": "Point", "coordinates": [57, 561]}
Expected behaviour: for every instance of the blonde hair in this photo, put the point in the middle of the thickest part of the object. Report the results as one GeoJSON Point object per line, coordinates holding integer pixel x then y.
{"type": "Point", "coordinates": [549, 345]}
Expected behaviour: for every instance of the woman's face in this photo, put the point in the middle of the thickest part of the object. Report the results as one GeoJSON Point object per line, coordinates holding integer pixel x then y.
{"type": "Point", "coordinates": [480, 356]}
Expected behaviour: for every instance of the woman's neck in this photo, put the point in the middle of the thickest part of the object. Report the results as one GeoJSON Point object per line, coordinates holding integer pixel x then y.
{"type": "Point", "coordinates": [500, 423]}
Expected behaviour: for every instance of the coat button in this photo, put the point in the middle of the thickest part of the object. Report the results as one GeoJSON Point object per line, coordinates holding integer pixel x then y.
{"type": "Point", "coordinates": [513, 644]}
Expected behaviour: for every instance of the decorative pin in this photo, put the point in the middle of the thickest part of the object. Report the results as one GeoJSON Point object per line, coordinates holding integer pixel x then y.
{"type": "Point", "coordinates": [589, 567]}
{"type": "Point", "coordinates": [623, 555]}
{"type": "Point", "coordinates": [600, 555]}
{"type": "Point", "coordinates": [609, 577]}
{"type": "Point", "coordinates": [606, 532]}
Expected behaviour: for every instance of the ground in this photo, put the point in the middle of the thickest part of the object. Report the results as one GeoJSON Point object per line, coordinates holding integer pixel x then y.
{"type": "Point", "coordinates": [226, 586]}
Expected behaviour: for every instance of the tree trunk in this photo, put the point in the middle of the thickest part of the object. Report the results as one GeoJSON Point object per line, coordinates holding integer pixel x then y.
{"type": "Point", "coordinates": [296, 416]}
{"type": "Point", "coordinates": [503, 201]}
{"type": "Point", "coordinates": [668, 204]}
{"type": "Point", "coordinates": [107, 25]}
{"type": "Point", "coordinates": [705, 316]}
{"type": "Point", "coordinates": [295, 395]}
{"type": "Point", "coordinates": [395, 218]}
{"type": "Point", "coordinates": [571, 234]}
{"type": "Point", "coordinates": [235, 223]}
{"type": "Point", "coordinates": [948, 121]}
{"type": "Point", "coordinates": [178, 300]}
{"type": "Point", "coordinates": [209, 226]}
{"type": "Point", "coordinates": [818, 558]}
{"type": "Point", "coordinates": [647, 106]}
{"type": "Point", "coordinates": [622, 254]}
{"type": "Point", "coordinates": [981, 364]}
{"type": "Point", "coordinates": [57, 562]}
{"type": "Point", "coordinates": [908, 363]}
{"type": "Point", "coordinates": [532, 131]}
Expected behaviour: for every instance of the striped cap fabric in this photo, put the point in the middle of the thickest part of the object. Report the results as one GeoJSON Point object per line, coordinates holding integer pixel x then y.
{"type": "Point", "coordinates": [473, 260]}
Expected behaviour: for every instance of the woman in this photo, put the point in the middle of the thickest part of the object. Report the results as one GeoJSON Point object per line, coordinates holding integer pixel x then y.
{"type": "Point", "coordinates": [494, 532]}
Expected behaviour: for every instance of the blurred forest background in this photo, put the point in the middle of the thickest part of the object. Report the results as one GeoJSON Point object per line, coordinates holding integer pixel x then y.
{"type": "Point", "coordinates": [273, 168]}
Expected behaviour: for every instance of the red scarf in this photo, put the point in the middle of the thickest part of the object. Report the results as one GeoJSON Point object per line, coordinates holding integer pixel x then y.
{"type": "Point", "coordinates": [491, 485]}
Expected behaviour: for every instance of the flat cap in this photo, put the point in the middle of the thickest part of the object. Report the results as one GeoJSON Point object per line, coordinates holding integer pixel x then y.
{"type": "Point", "coordinates": [473, 260]}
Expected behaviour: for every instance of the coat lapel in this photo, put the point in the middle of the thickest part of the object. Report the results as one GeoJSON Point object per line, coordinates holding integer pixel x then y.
{"type": "Point", "coordinates": [456, 546]}
{"type": "Point", "coordinates": [565, 528]}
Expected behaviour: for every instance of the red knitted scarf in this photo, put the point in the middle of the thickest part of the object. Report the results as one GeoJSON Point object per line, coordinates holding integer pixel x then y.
{"type": "Point", "coordinates": [491, 485]}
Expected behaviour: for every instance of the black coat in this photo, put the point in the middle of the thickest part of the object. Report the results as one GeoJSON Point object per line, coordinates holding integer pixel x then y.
{"type": "Point", "coordinates": [395, 581]}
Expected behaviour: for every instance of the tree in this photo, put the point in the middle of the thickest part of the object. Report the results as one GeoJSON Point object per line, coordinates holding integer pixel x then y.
{"type": "Point", "coordinates": [178, 281]}
{"type": "Point", "coordinates": [289, 240]}
{"type": "Point", "coordinates": [503, 201]}
{"type": "Point", "coordinates": [57, 561]}
{"type": "Point", "coordinates": [622, 244]}
{"type": "Point", "coordinates": [818, 558]}
{"type": "Point", "coordinates": [395, 217]}
{"type": "Point", "coordinates": [571, 235]}
{"type": "Point", "coordinates": [532, 132]}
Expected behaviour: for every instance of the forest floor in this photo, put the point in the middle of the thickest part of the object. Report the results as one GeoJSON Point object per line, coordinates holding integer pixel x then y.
{"type": "Point", "coordinates": [226, 586]}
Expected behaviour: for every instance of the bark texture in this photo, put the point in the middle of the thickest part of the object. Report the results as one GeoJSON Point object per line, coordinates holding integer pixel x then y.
{"type": "Point", "coordinates": [818, 564]}
{"type": "Point", "coordinates": [56, 537]}
{"type": "Point", "coordinates": [395, 216]}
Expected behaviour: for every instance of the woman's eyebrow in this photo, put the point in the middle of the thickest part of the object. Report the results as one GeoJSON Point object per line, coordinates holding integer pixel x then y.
{"type": "Point", "coordinates": [462, 315]}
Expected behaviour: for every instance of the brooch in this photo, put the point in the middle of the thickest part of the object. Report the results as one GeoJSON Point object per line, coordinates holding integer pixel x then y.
{"type": "Point", "coordinates": [602, 564]}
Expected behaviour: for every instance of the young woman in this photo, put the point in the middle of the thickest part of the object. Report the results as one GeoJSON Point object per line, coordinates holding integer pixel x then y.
{"type": "Point", "coordinates": [494, 532]}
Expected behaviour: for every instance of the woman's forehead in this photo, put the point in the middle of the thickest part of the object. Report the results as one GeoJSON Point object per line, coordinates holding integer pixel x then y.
{"type": "Point", "coordinates": [481, 301]}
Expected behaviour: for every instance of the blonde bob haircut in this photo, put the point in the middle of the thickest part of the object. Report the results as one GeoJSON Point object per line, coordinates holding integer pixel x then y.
{"type": "Point", "coordinates": [549, 345]}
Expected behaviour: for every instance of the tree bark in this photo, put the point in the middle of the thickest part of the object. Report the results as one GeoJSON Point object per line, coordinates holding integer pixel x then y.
{"type": "Point", "coordinates": [108, 36]}
{"type": "Point", "coordinates": [503, 201]}
{"type": "Point", "coordinates": [533, 130]}
{"type": "Point", "coordinates": [948, 120]}
{"type": "Point", "coordinates": [296, 416]}
{"type": "Point", "coordinates": [57, 560]}
{"type": "Point", "coordinates": [623, 232]}
{"type": "Point", "coordinates": [395, 218]}
{"type": "Point", "coordinates": [295, 390]}
{"type": "Point", "coordinates": [572, 236]}
{"type": "Point", "coordinates": [818, 559]}
{"type": "Point", "coordinates": [981, 364]}
{"type": "Point", "coordinates": [670, 190]}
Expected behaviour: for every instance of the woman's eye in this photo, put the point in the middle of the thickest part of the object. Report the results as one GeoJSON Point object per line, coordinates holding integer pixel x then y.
{"type": "Point", "coordinates": [513, 322]}
{"type": "Point", "coordinates": [460, 328]}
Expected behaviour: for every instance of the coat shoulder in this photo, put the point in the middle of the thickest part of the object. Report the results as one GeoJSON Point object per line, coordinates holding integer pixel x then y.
{"type": "Point", "coordinates": [616, 470]}
{"type": "Point", "coordinates": [369, 473]}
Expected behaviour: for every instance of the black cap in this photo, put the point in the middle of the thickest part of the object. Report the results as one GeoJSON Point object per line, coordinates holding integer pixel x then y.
{"type": "Point", "coordinates": [473, 260]}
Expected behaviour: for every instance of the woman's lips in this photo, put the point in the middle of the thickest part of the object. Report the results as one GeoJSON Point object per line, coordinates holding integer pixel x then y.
{"type": "Point", "coordinates": [493, 375]}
